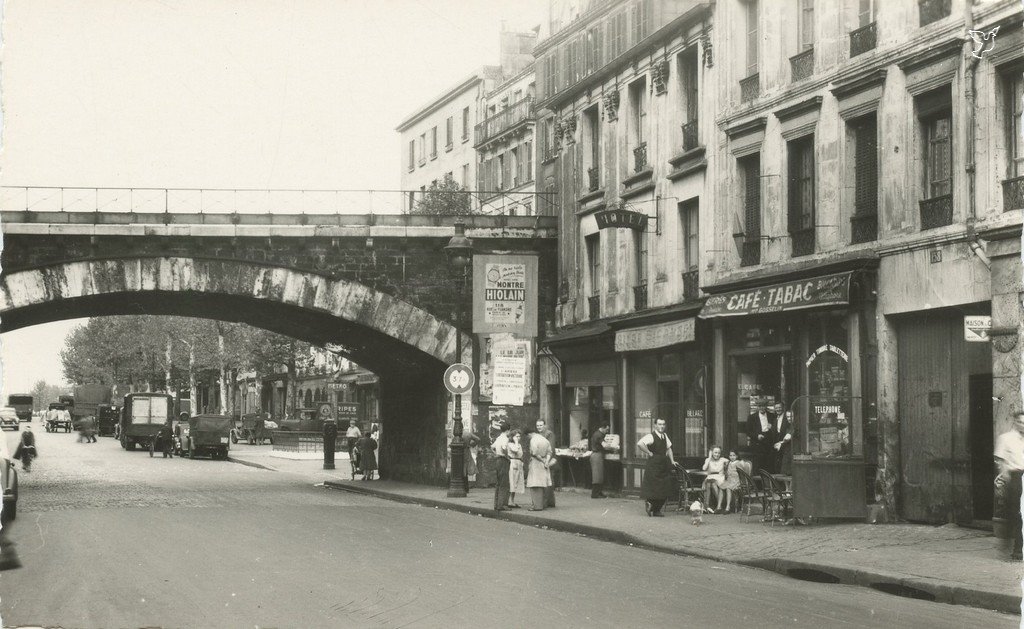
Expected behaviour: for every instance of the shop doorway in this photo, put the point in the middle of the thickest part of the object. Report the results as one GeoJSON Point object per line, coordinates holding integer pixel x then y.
{"type": "Point", "coordinates": [761, 375]}
{"type": "Point", "coordinates": [945, 420]}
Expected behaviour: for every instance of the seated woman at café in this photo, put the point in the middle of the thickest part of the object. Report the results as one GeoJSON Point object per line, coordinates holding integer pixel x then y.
{"type": "Point", "coordinates": [715, 466]}
{"type": "Point", "coordinates": [731, 482]}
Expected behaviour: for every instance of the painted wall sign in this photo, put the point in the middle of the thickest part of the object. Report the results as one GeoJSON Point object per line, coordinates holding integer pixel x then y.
{"type": "Point", "coordinates": [827, 348]}
{"type": "Point", "coordinates": [621, 218]}
{"type": "Point", "coordinates": [976, 328]}
{"type": "Point", "coordinates": [828, 290]}
{"type": "Point", "coordinates": [654, 336]}
{"type": "Point", "coordinates": [505, 294]}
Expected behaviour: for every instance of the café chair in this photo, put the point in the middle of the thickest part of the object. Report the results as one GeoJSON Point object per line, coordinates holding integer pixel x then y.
{"type": "Point", "coordinates": [750, 493]}
{"type": "Point", "coordinates": [687, 492]}
{"type": "Point", "coordinates": [779, 500]}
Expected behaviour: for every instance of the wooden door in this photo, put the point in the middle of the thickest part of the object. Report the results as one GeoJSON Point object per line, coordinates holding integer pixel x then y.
{"type": "Point", "coordinates": [925, 419]}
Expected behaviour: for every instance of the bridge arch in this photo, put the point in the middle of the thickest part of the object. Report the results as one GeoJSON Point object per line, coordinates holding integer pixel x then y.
{"type": "Point", "coordinates": [406, 346]}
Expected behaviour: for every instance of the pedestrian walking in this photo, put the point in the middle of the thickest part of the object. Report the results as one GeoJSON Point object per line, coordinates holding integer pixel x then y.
{"type": "Point", "coordinates": [26, 450]}
{"type": "Point", "coordinates": [352, 436]}
{"type": "Point", "coordinates": [597, 451]}
{"type": "Point", "coordinates": [516, 478]}
{"type": "Point", "coordinates": [367, 458]}
{"type": "Point", "coordinates": [1009, 456]}
{"type": "Point", "coordinates": [549, 491]}
{"type": "Point", "coordinates": [538, 477]}
{"type": "Point", "coordinates": [472, 449]}
{"type": "Point", "coordinates": [657, 485]}
{"type": "Point", "coordinates": [500, 447]}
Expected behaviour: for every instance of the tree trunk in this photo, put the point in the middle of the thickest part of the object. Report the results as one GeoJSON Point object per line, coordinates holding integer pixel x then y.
{"type": "Point", "coordinates": [291, 402]}
{"type": "Point", "coordinates": [192, 388]}
{"type": "Point", "coordinates": [167, 365]}
{"type": "Point", "coordinates": [223, 372]}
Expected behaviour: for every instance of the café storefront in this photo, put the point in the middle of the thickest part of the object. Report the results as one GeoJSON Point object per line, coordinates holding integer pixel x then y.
{"type": "Point", "coordinates": [807, 345]}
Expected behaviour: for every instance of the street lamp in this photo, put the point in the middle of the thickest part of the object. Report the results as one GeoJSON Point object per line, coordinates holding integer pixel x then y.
{"type": "Point", "coordinates": [460, 255]}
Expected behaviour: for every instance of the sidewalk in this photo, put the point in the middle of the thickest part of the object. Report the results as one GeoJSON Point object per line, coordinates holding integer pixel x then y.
{"type": "Point", "coordinates": [947, 563]}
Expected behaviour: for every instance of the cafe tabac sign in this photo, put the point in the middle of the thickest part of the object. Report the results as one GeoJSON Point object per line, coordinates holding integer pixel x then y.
{"type": "Point", "coordinates": [618, 217]}
{"type": "Point", "coordinates": [827, 290]}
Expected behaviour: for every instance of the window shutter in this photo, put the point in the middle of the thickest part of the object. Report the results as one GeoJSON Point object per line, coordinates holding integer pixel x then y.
{"type": "Point", "coordinates": [866, 165]}
{"type": "Point", "coordinates": [752, 196]}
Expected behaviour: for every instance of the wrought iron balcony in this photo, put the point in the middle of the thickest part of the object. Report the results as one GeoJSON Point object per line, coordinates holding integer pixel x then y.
{"type": "Point", "coordinates": [691, 285]}
{"type": "Point", "coordinates": [803, 242]}
{"type": "Point", "coordinates": [863, 39]}
{"type": "Point", "coordinates": [936, 212]}
{"type": "Point", "coordinates": [640, 297]}
{"type": "Point", "coordinates": [801, 66]}
{"type": "Point", "coordinates": [640, 157]}
{"type": "Point", "coordinates": [594, 177]}
{"type": "Point", "coordinates": [750, 88]}
{"type": "Point", "coordinates": [1013, 194]}
{"type": "Point", "coordinates": [594, 306]}
{"type": "Point", "coordinates": [864, 227]}
{"type": "Point", "coordinates": [750, 254]}
{"type": "Point", "coordinates": [690, 141]}
{"type": "Point", "coordinates": [493, 126]}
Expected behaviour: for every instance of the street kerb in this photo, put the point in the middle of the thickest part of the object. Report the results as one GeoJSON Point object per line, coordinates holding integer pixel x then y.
{"type": "Point", "coordinates": [901, 585]}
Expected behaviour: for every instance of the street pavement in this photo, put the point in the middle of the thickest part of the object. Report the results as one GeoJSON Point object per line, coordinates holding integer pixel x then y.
{"type": "Point", "coordinates": [109, 538]}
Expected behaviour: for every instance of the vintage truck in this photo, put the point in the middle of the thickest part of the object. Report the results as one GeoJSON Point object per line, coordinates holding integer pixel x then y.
{"type": "Point", "coordinates": [142, 417]}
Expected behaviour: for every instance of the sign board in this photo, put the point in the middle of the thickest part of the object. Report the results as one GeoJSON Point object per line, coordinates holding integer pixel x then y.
{"type": "Point", "coordinates": [348, 410]}
{"type": "Point", "coordinates": [827, 348]}
{"type": "Point", "coordinates": [976, 328]}
{"type": "Point", "coordinates": [827, 290]}
{"type": "Point", "coordinates": [325, 411]}
{"type": "Point", "coordinates": [459, 378]}
{"type": "Point", "coordinates": [508, 382]}
{"type": "Point", "coordinates": [621, 218]}
{"type": "Point", "coordinates": [505, 294]}
{"type": "Point", "coordinates": [654, 336]}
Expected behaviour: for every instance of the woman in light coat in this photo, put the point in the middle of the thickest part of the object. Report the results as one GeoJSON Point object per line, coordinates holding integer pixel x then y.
{"type": "Point", "coordinates": [538, 475]}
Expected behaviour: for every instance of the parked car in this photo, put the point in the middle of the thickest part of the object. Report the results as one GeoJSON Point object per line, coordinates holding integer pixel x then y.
{"type": "Point", "coordinates": [9, 482]}
{"type": "Point", "coordinates": [8, 418]}
{"type": "Point", "coordinates": [208, 435]}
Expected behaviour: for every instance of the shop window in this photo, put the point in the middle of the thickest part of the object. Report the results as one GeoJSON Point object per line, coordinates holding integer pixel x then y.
{"type": "Point", "coordinates": [833, 427]}
{"type": "Point", "coordinates": [590, 406]}
{"type": "Point", "coordinates": [669, 386]}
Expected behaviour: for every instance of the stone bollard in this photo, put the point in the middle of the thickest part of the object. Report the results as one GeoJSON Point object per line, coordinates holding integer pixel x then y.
{"type": "Point", "coordinates": [330, 438]}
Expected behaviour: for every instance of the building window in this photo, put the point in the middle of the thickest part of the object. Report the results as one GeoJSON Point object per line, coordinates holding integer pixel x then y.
{"type": "Point", "coordinates": [592, 154]}
{"type": "Point", "coordinates": [593, 242]}
{"type": "Point", "coordinates": [863, 132]}
{"type": "Point", "coordinates": [806, 25]}
{"type": "Point", "coordinates": [865, 12]}
{"type": "Point", "coordinates": [688, 69]}
{"type": "Point", "coordinates": [690, 225]}
{"type": "Point", "coordinates": [752, 36]}
{"type": "Point", "coordinates": [412, 155]}
{"type": "Point", "coordinates": [528, 151]}
{"type": "Point", "coordinates": [801, 195]}
{"type": "Point", "coordinates": [642, 258]}
{"type": "Point", "coordinates": [517, 156]}
{"type": "Point", "coordinates": [433, 143]}
{"type": "Point", "coordinates": [637, 123]}
{"type": "Point", "coordinates": [449, 133]}
{"type": "Point", "coordinates": [465, 176]}
{"type": "Point", "coordinates": [465, 124]}
{"type": "Point", "coordinates": [1015, 108]}
{"type": "Point", "coordinates": [423, 149]}
{"type": "Point", "coordinates": [932, 10]}
{"type": "Point", "coordinates": [935, 112]}
{"type": "Point", "coordinates": [750, 175]}
{"type": "Point", "coordinates": [412, 200]}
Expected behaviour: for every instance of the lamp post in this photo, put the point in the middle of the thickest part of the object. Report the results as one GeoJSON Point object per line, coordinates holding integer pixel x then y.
{"type": "Point", "coordinates": [460, 255]}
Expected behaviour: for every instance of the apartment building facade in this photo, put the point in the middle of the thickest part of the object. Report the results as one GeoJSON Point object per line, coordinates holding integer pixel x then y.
{"type": "Point", "coordinates": [867, 231]}
{"type": "Point", "coordinates": [625, 128]}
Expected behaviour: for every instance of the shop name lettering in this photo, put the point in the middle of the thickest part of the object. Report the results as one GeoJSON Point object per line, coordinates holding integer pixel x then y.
{"type": "Point", "coordinates": [777, 297]}
{"type": "Point", "coordinates": [505, 294]}
{"type": "Point", "coordinates": [621, 218]}
{"type": "Point", "coordinates": [824, 410]}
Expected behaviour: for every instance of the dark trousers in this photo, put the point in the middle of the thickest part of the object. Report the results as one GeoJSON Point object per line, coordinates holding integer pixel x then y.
{"type": "Point", "coordinates": [656, 504]}
{"type": "Point", "coordinates": [501, 487]}
{"type": "Point", "coordinates": [1013, 496]}
{"type": "Point", "coordinates": [596, 490]}
{"type": "Point", "coordinates": [549, 496]}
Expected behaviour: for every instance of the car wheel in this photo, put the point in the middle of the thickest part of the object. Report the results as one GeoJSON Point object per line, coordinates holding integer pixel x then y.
{"type": "Point", "coordinates": [10, 511]}
{"type": "Point", "coordinates": [234, 437]}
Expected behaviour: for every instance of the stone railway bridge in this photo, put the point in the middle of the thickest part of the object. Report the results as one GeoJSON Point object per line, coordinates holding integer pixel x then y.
{"type": "Point", "coordinates": [379, 285]}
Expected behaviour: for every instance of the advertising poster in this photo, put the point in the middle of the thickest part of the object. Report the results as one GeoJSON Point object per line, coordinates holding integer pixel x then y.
{"type": "Point", "coordinates": [508, 379]}
{"type": "Point", "coordinates": [505, 294]}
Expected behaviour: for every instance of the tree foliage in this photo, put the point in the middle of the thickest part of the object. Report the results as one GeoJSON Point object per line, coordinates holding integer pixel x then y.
{"type": "Point", "coordinates": [444, 198]}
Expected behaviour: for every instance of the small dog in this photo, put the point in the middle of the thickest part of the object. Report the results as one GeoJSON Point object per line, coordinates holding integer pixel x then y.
{"type": "Point", "coordinates": [696, 511]}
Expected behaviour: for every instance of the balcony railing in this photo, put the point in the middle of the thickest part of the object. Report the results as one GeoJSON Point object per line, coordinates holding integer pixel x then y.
{"type": "Point", "coordinates": [594, 306]}
{"type": "Point", "coordinates": [801, 66]}
{"type": "Point", "coordinates": [936, 212]}
{"type": "Point", "coordinates": [690, 136]}
{"type": "Point", "coordinates": [863, 39]}
{"type": "Point", "coordinates": [750, 88]}
{"type": "Point", "coordinates": [640, 157]}
{"type": "Point", "coordinates": [864, 227]}
{"type": "Point", "coordinates": [640, 297]}
{"type": "Point", "coordinates": [1013, 194]}
{"type": "Point", "coordinates": [594, 178]}
{"type": "Point", "coordinates": [803, 242]}
{"type": "Point", "coordinates": [691, 285]}
{"type": "Point", "coordinates": [750, 254]}
{"type": "Point", "coordinates": [493, 126]}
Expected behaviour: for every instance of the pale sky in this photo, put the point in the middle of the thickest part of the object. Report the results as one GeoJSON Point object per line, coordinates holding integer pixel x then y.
{"type": "Point", "coordinates": [298, 94]}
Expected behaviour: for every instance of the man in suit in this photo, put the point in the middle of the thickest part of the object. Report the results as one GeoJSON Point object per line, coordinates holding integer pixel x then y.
{"type": "Point", "coordinates": [761, 430]}
{"type": "Point", "coordinates": [783, 440]}
{"type": "Point", "coordinates": [549, 491]}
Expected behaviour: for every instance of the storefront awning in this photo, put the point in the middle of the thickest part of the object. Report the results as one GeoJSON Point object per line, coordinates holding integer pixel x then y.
{"type": "Point", "coordinates": [825, 290]}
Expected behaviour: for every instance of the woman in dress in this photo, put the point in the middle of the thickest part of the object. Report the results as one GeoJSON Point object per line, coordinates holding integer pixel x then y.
{"type": "Point", "coordinates": [657, 485]}
{"type": "Point", "coordinates": [515, 473]}
{"type": "Point", "coordinates": [715, 466]}
{"type": "Point", "coordinates": [367, 447]}
{"type": "Point", "coordinates": [731, 482]}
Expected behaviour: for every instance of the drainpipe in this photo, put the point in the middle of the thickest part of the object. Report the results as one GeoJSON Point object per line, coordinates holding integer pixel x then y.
{"type": "Point", "coordinates": [972, 111]}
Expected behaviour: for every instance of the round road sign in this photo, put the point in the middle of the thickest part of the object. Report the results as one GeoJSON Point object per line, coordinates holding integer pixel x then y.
{"type": "Point", "coordinates": [459, 378]}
